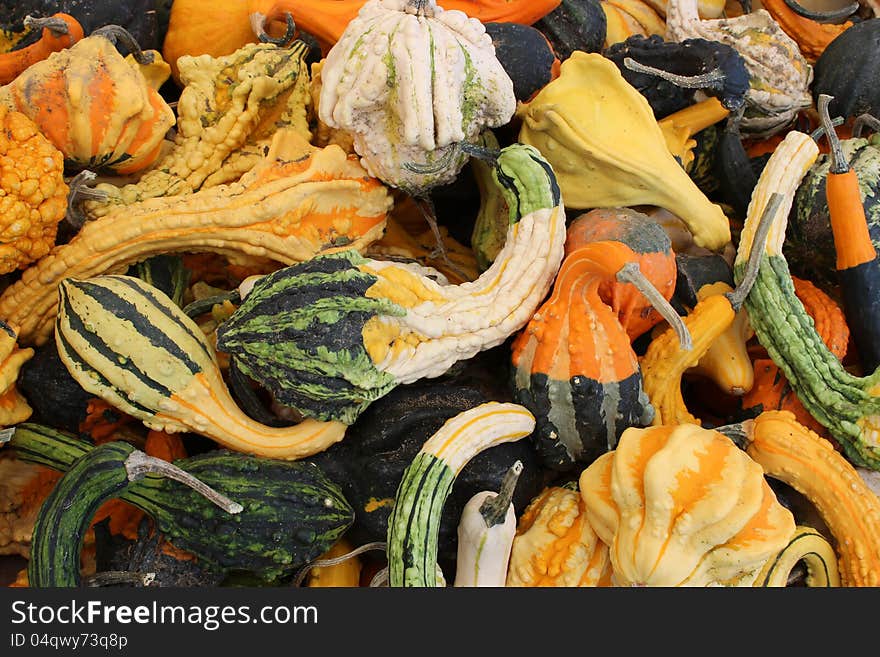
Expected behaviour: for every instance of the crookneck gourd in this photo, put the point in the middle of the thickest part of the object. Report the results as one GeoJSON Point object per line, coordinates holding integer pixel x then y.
{"type": "Point", "coordinates": [679, 505]}
{"type": "Point", "coordinates": [57, 32]}
{"type": "Point", "coordinates": [555, 544]}
{"type": "Point", "coordinates": [95, 107]}
{"type": "Point", "coordinates": [331, 335]}
{"type": "Point", "coordinates": [299, 201]}
{"type": "Point", "coordinates": [790, 452]}
{"type": "Point", "coordinates": [414, 523]}
{"type": "Point", "coordinates": [848, 405]}
{"type": "Point", "coordinates": [574, 366]}
{"type": "Point", "coordinates": [607, 150]}
{"type": "Point", "coordinates": [228, 111]}
{"type": "Point", "coordinates": [411, 82]}
{"type": "Point", "coordinates": [292, 511]}
{"type": "Point", "coordinates": [780, 76]}
{"type": "Point", "coordinates": [126, 342]}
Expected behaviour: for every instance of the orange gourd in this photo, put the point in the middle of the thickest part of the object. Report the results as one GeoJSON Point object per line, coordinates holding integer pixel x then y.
{"type": "Point", "coordinates": [59, 31]}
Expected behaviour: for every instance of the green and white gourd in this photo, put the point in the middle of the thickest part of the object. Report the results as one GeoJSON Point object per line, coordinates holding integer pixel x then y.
{"type": "Point", "coordinates": [410, 81]}
{"type": "Point", "coordinates": [329, 336]}
{"type": "Point", "coordinates": [414, 525]}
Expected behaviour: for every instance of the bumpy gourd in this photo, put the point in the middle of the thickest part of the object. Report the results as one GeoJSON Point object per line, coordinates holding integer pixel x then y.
{"type": "Point", "coordinates": [411, 81]}
{"type": "Point", "coordinates": [331, 335]}
{"type": "Point", "coordinates": [14, 408]}
{"type": "Point", "coordinates": [228, 111]}
{"type": "Point", "coordinates": [299, 201]}
{"type": "Point", "coordinates": [607, 150]}
{"type": "Point", "coordinates": [98, 110]}
{"type": "Point", "coordinates": [555, 544]}
{"type": "Point", "coordinates": [780, 75]}
{"type": "Point", "coordinates": [679, 505]}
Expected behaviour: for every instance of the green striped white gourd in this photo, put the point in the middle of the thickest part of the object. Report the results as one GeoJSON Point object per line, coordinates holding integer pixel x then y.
{"type": "Point", "coordinates": [415, 521]}
{"type": "Point", "coordinates": [126, 342]}
{"type": "Point", "coordinates": [329, 336]}
{"type": "Point", "coordinates": [409, 81]}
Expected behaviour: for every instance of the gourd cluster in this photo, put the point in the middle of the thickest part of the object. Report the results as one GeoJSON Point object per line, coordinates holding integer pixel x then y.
{"type": "Point", "coordinates": [421, 293]}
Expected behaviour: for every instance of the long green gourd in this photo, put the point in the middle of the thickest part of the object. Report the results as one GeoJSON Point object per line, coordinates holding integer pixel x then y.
{"type": "Point", "coordinates": [849, 406]}
{"type": "Point", "coordinates": [292, 513]}
{"type": "Point", "coordinates": [414, 524]}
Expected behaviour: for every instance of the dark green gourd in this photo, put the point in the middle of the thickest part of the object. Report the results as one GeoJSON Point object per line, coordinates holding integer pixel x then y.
{"type": "Point", "coordinates": [292, 511]}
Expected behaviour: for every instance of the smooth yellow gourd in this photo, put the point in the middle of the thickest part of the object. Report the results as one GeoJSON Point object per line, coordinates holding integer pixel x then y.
{"type": "Point", "coordinates": [607, 150]}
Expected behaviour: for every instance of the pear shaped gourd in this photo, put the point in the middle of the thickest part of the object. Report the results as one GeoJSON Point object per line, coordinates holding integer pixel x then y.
{"type": "Point", "coordinates": [607, 150]}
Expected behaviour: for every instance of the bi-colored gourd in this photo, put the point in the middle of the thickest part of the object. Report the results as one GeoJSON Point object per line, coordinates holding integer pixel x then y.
{"type": "Point", "coordinates": [128, 343]}
{"type": "Point", "coordinates": [58, 31]}
{"type": "Point", "coordinates": [411, 82]}
{"type": "Point", "coordinates": [485, 535]}
{"type": "Point", "coordinates": [555, 544]}
{"type": "Point", "coordinates": [292, 512]}
{"type": "Point", "coordinates": [807, 546]}
{"type": "Point", "coordinates": [414, 522]}
{"type": "Point", "coordinates": [790, 452]}
{"type": "Point", "coordinates": [298, 202]}
{"type": "Point", "coordinates": [846, 404]}
{"type": "Point", "coordinates": [811, 35]}
{"type": "Point", "coordinates": [229, 110]}
{"type": "Point", "coordinates": [679, 505]}
{"type": "Point", "coordinates": [600, 136]}
{"type": "Point", "coordinates": [96, 108]}
{"type": "Point", "coordinates": [331, 335]}
{"type": "Point", "coordinates": [780, 76]}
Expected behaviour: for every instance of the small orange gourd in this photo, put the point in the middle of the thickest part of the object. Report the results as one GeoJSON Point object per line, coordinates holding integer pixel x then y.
{"type": "Point", "coordinates": [59, 31]}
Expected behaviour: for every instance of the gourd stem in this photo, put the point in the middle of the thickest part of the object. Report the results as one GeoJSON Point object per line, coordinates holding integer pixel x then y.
{"type": "Point", "coordinates": [714, 79]}
{"type": "Point", "coordinates": [201, 306]}
{"type": "Point", "coordinates": [6, 435]}
{"type": "Point", "coordinates": [426, 206]}
{"type": "Point", "coordinates": [424, 8]}
{"type": "Point", "coordinates": [138, 465]}
{"type": "Point", "coordinates": [817, 134]}
{"type": "Point", "coordinates": [434, 167]}
{"type": "Point", "coordinates": [80, 191]}
{"type": "Point", "coordinates": [630, 273]}
{"type": "Point", "coordinates": [322, 563]}
{"type": "Point", "coordinates": [738, 296]}
{"type": "Point", "coordinates": [838, 159]}
{"type": "Point", "coordinates": [55, 25]}
{"type": "Point", "coordinates": [830, 16]}
{"type": "Point", "coordinates": [494, 509]}
{"type": "Point", "coordinates": [863, 120]}
{"type": "Point", "coordinates": [487, 155]}
{"type": "Point", "coordinates": [380, 578]}
{"type": "Point", "coordinates": [737, 432]}
{"type": "Point", "coordinates": [114, 577]}
{"type": "Point", "coordinates": [287, 37]}
{"type": "Point", "coordinates": [116, 34]}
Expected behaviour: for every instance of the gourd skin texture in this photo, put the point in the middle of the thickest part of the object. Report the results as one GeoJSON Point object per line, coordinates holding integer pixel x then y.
{"type": "Point", "coordinates": [780, 75]}
{"type": "Point", "coordinates": [410, 85]}
{"type": "Point", "coordinates": [555, 544]}
{"type": "Point", "coordinates": [228, 112]}
{"type": "Point", "coordinates": [14, 408]}
{"type": "Point", "coordinates": [96, 108]}
{"type": "Point", "coordinates": [679, 505]}
{"type": "Point", "coordinates": [299, 201]}
{"type": "Point", "coordinates": [607, 150]}
{"type": "Point", "coordinates": [399, 325]}
{"type": "Point", "coordinates": [33, 194]}
{"type": "Point", "coordinates": [483, 552]}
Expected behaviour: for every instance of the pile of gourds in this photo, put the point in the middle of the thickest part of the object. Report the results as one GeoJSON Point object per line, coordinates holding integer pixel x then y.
{"type": "Point", "coordinates": [440, 292]}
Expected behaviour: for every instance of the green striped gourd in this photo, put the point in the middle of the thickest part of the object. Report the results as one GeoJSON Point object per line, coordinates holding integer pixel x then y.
{"type": "Point", "coordinates": [849, 406]}
{"type": "Point", "coordinates": [329, 336]}
{"type": "Point", "coordinates": [807, 546]}
{"type": "Point", "coordinates": [96, 477]}
{"type": "Point", "coordinates": [129, 344]}
{"type": "Point", "coordinates": [292, 513]}
{"type": "Point", "coordinates": [415, 521]}
{"type": "Point", "coordinates": [410, 81]}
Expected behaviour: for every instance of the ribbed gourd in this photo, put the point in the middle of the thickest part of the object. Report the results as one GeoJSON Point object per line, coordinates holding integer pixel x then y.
{"type": "Point", "coordinates": [607, 150]}
{"type": "Point", "coordinates": [94, 106]}
{"type": "Point", "coordinates": [126, 342]}
{"type": "Point", "coordinates": [331, 335]}
{"type": "Point", "coordinates": [679, 505]}
{"type": "Point", "coordinates": [411, 81]}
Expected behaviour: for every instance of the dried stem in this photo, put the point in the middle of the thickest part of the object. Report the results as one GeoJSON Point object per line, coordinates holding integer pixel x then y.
{"type": "Point", "coordinates": [284, 39]}
{"type": "Point", "coordinates": [714, 79]}
{"type": "Point", "coordinates": [115, 577]}
{"type": "Point", "coordinates": [838, 158]}
{"type": "Point", "coordinates": [55, 25]}
{"type": "Point", "coordinates": [630, 273]}
{"type": "Point", "coordinates": [494, 509]}
{"type": "Point", "coordinates": [138, 465]}
{"type": "Point", "coordinates": [863, 120]}
{"type": "Point", "coordinates": [322, 563]}
{"type": "Point", "coordinates": [117, 34]}
{"type": "Point", "coordinates": [738, 296]}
